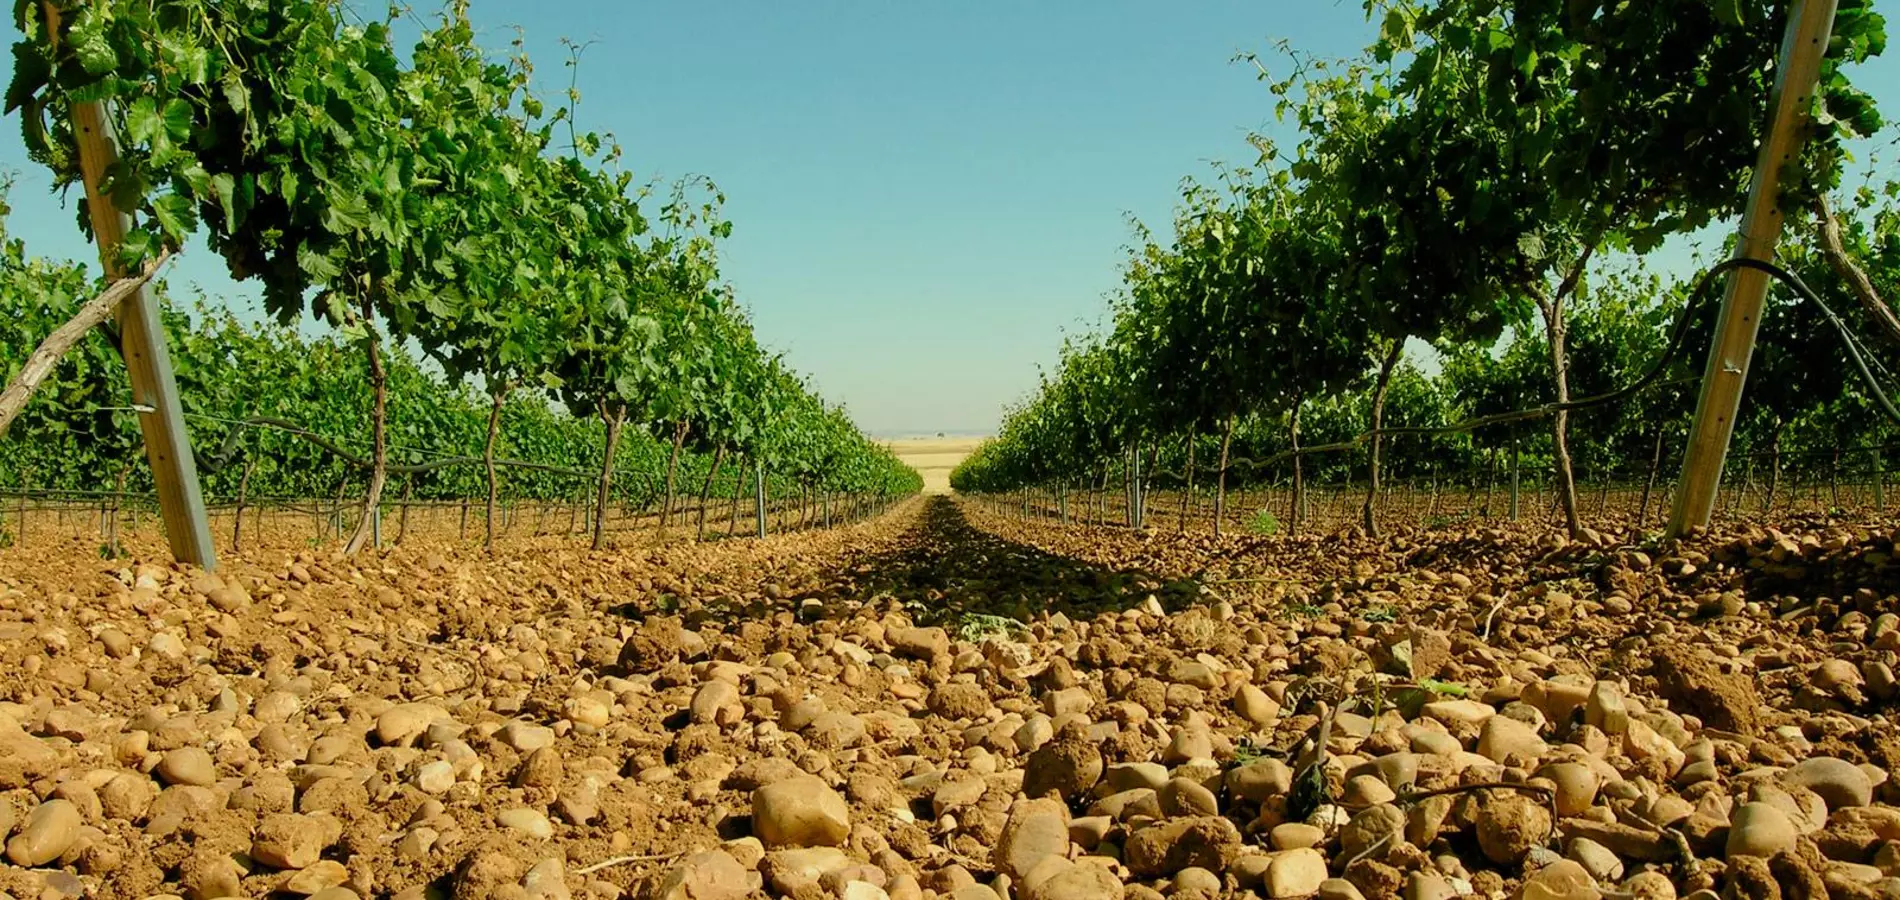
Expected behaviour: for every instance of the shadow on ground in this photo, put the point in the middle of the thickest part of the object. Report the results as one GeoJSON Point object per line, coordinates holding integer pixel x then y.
{"type": "Point", "coordinates": [947, 570]}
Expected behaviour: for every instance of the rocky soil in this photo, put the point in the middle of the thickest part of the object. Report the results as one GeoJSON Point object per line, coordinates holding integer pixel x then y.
{"type": "Point", "coordinates": [950, 703]}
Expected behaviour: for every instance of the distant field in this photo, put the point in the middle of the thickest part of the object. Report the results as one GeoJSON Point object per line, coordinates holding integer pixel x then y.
{"type": "Point", "coordinates": [934, 458]}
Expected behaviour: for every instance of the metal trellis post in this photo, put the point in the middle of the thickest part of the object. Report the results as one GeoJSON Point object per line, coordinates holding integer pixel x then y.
{"type": "Point", "coordinates": [147, 360]}
{"type": "Point", "coordinates": [1810, 23]}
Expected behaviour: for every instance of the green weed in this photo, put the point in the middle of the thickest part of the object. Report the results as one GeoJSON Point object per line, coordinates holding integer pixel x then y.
{"type": "Point", "coordinates": [975, 627]}
{"type": "Point", "coordinates": [1303, 610]}
{"type": "Point", "coordinates": [1264, 524]}
{"type": "Point", "coordinates": [1245, 752]}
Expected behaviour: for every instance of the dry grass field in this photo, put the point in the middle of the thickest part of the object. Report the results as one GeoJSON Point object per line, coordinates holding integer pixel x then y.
{"type": "Point", "coordinates": [934, 458]}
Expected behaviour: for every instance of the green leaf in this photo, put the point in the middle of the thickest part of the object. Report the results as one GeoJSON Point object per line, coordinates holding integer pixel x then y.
{"type": "Point", "coordinates": [31, 72]}
{"type": "Point", "coordinates": [142, 122]}
{"type": "Point", "coordinates": [91, 45]}
{"type": "Point", "coordinates": [1531, 246]}
{"type": "Point", "coordinates": [225, 187]}
{"type": "Point", "coordinates": [317, 267]}
{"type": "Point", "coordinates": [178, 120]}
{"type": "Point", "coordinates": [175, 213]}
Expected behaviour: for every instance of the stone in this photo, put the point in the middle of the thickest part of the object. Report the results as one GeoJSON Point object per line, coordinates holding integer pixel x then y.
{"type": "Point", "coordinates": [523, 737]}
{"type": "Point", "coordinates": [1295, 873]}
{"type": "Point", "coordinates": [1165, 848]}
{"type": "Point", "coordinates": [1066, 702]}
{"type": "Point", "coordinates": [1295, 836]}
{"type": "Point", "coordinates": [1196, 880]}
{"type": "Point", "coordinates": [711, 699]}
{"type": "Point", "coordinates": [1255, 706]}
{"type": "Point", "coordinates": [1605, 709]}
{"type": "Point", "coordinates": [1124, 805]}
{"type": "Point", "coordinates": [1035, 830]}
{"type": "Point", "coordinates": [227, 599]}
{"type": "Point", "coordinates": [46, 834]}
{"type": "Point", "coordinates": [1436, 743]}
{"type": "Point", "coordinates": [435, 778]}
{"type": "Point", "coordinates": [1510, 825]}
{"type": "Point", "coordinates": [527, 822]}
{"type": "Point", "coordinates": [1259, 780]}
{"type": "Point", "coordinates": [1561, 880]}
{"type": "Point", "coordinates": [1074, 882]}
{"type": "Point", "coordinates": [784, 870]}
{"type": "Point", "coordinates": [1190, 741]}
{"type": "Point", "coordinates": [1362, 791]}
{"type": "Point", "coordinates": [1339, 889]}
{"type": "Point", "coordinates": [919, 643]}
{"type": "Point", "coordinates": [289, 841]}
{"type": "Point", "coordinates": [188, 765]}
{"type": "Point", "coordinates": [403, 724]}
{"type": "Point", "coordinates": [1576, 786]}
{"type": "Point", "coordinates": [1427, 885]}
{"type": "Point", "coordinates": [800, 812]}
{"type": "Point", "coordinates": [543, 768]}
{"type": "Point", "coordinates": [712, 875]}
{"type": "Point", "coordinates": [1470, 713]}
{"type": "Point", "coordinates": [1761, 830]}
{"type": "Point", "coordinates": [1069, 766]}
{"type": "Point", "coordinates": [1841, 783]}
{"type": "Point", "coordinates": [1186, 797]}
{"type": "Point", "coordinates": [316, 877]}
{"type": "Point", "coordinates": [1129, 776]}
{"type": "Point", "coordinates": [1382, 823]}
{"type": "Point", "coordinates": [1650, 886]}
{"type": "Point", "coordinates": [547, 880]}
{"type": "Point", "coordinates": [1596, 859]}
{"type": "Point", "coordinates": [959, 700]}
{"type": "Point", "coordinates": [1507, 741]}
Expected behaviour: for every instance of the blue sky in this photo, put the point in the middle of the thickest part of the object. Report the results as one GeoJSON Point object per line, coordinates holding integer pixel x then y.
{"type": "Point", "coordinates": [925, 194]}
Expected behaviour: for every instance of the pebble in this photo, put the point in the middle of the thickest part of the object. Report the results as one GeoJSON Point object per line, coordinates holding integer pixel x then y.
{"type": "Point", "coordinates": [1295, 836]}
{"type": "Point", "coordinates": [1839, 782]}
{"type": "Point", "coordinates": [401, 725]}
{"type": "Point", "coordinates": [1035, 830]}
{"type": "Point", "coordinates": [531, 823]}
{"type": "Point", "coordinates": [1186, 797]}
{"type": "Point", "coordinates": [188, 765]}
{"type": "Point", "coordinates": [1761, 830]}
{"type": "Point", "coordinates": [288, 841]}
{"type": "Point", "coordinates": [1295, 873]}
{"type": "Point", "coordinates": [1510, 825]}
{"type": "Point", "coordinates": [1255, 706]}
{"type": "Point", "coordinates": [45, 834]}
{"type": "Point", "coordinates": [435, 778]}
{"type": "Point", "coordinates": [1508, 741]}
{"type": "Point", "coordinates": [711, 875]}
{"type": "Point", "coordinates": [799, 812]}
{"type": "Point", "coordinates": [1596, 859]}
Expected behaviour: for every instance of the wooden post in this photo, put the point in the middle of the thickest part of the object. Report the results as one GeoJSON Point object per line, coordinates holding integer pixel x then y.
{"type": "Point", "coordinates": [142, 340]}
{"type": "Point", "coordinates": [408, 496]}
{"type": "Point", "coordinates": [1516, 461]}
{"type": "Point", "coordinates": [1810, 23]}
{"type": "Point", "coordinates": [237, 525]}
{"type": "Point", "coordinates": [758, 493]}
{"type": "Point", "coordinates": [1880, 484]}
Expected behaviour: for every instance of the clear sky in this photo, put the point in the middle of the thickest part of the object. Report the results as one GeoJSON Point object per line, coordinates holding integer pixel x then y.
{"type": "Point", "coordinates": [925, 194]}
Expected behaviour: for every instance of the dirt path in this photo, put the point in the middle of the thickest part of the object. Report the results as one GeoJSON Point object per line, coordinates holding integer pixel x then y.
{"type": "Point", "coordinates": [950, 702]}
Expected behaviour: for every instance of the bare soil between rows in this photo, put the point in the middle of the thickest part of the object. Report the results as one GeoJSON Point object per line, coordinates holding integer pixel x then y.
{"type": "Point", "coordinates": [949, 701]}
